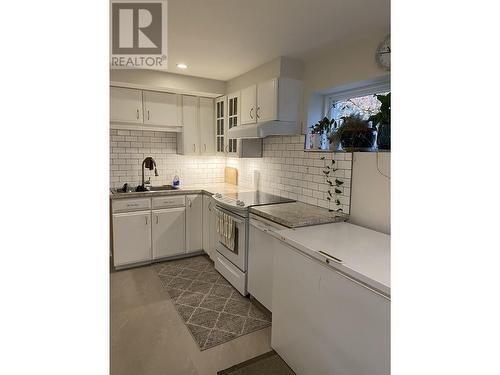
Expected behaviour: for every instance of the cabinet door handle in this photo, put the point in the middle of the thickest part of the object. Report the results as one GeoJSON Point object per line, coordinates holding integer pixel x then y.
{"type": "Point", "coordinates": [194, 147]}
{"type": "Point", "coordinates": [257, 112]}
{"type": "Point", "coordinates": [146, 219]}
{"type": "Point", "coordinates": [210, 206]}
{"type": "Point", "coordinates": [251, 116]}
{"type": "Point", "coordinates": [205, 146]}
{"type": "Point", "coordinates": [148, 114]}
{"type": "Point", "coordinates": [226, 148]}
{"type": "Point", "coordinates": [189, 202]}
{"type": "Point", "coordinates": [157, 219]}
{"type": "Point", "coordinates": [137, 114]}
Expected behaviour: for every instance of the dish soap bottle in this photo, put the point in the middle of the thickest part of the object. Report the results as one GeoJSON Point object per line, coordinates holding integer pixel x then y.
{"type": "Point", "coordinates": [176, 183]}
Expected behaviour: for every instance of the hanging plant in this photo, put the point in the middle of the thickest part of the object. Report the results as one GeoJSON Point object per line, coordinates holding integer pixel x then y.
{"type": "Point", "coordinates": [333, 186]}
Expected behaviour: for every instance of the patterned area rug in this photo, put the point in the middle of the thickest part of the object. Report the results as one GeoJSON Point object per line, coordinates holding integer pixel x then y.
{"type": "Point", "coordinates": [213, 311]}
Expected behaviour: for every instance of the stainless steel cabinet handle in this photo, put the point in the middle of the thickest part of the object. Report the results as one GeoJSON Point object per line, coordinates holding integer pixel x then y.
{"type": "Point", "coordinates": [157, 219]}
{"type": "Point", "coordinates": [148, 114]}
{"type": "Point", "coordinates": [205, 146]}
{"type": "Point", "coordinates": [226, 148]}
{"type": "Point", "coordinates": [137, 114]}
{"type": "Point", "coordinates": [251, 110]}
{"type": "Point", "coordinates": [189, 202]}
{"type": "Point", "coordinates": [194, 147]}
{"type": "Point", "coordinates": [146, 219]}
{"type": "Point", "coordinates": [210, 206]}
{"type": "Point", "coordinates": [257, 112]}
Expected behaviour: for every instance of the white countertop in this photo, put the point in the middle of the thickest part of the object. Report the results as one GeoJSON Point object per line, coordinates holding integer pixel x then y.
{"type": "Point", "coordinates": [365, 253]}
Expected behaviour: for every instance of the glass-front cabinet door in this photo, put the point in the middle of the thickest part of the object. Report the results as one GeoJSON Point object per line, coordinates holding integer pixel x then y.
{"type": "Point", "coordinates": [220, 125]}
{"type": "Point", "coordinates": [233, 117]}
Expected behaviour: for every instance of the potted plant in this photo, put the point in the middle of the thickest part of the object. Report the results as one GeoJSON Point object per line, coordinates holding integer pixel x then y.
{"type": "Point", "coordinates": [320, 129]}
{"type": "Point", "coordinates": [354, 134]}
{"type": "Point", "coordinates": [382, 121]}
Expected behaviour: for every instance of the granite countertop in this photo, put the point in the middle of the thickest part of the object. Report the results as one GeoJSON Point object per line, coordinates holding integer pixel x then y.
{"type": "Point", "coordinates": [298, 214]}
{"type": "Point", "coordinates": [223, 188]}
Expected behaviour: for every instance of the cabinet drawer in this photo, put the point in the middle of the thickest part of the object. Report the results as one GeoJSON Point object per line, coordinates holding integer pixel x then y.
{"type": "Point", "coordinates": [169, 201]}
{"type": "Point", "coordinates": [125, 205]}
{"type": "Point", "coordinates": [231, 273]}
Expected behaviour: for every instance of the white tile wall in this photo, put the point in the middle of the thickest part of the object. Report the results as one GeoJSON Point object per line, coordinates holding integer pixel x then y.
{"type": "Point", "coordinates": [285, 169]}
{"type": "Point", "coordinates": [128, 148]}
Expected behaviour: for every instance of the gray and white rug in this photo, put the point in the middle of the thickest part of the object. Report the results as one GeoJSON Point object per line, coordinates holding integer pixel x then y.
{"type": "Point", "coordinates": [212, 310]}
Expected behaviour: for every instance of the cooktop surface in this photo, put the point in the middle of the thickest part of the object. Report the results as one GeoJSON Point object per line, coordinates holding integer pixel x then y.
{"type": "Point", "coordinates": [257, 198]}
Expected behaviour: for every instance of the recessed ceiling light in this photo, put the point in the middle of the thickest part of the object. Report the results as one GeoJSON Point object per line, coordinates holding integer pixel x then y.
{"type": "Point", "coordinates": [182, 66]}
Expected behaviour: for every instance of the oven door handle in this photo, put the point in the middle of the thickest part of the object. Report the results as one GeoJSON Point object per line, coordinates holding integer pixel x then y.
{"type": "Point", "coordinates": [236, 220]}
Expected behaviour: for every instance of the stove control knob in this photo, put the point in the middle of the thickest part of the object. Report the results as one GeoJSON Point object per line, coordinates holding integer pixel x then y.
{"type": "Point", "coordinates": [218, 195]}
{"type": "Point", "coordinates": [240, 203]}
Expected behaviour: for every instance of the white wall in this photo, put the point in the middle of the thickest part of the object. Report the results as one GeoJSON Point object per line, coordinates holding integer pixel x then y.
{"type": "Point", "coordinates": [371, 191]}
{"type": "Point", "coordinates": [164, 81]}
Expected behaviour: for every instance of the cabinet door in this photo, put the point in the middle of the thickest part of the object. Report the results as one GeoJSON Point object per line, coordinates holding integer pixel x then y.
{"type": "Point", "coordinates": [207, 127]}
{"type": "Point", "coordinates": [248, 101]}
{"type": "Point", "coordinates": [161, 108]}
{"type": "Point", "coordinates": [260, 265]}
{"type": "Point", "coordinates": [168, 232]}
{"type": "Point", "coordinates": [194, 222]}
{"type": "Point", "coordinates": [220, 124]}
{"type": "Point", "coordinates": [125, 105]}
{"type": "Point", "coordinates": [337, 326]}
{"type": "Point", "coordinates": [267, 100]}
{"type": "Point", "coordinates": [206, 223]}
{"type": "Point", "coordinates": [233, 120]}
{"type": "Point", "coordinates": [131, 237]}
{"type": "Point", "coordinates": [212, 230]}
{"type": "Point", "coordinates": [188, 141]}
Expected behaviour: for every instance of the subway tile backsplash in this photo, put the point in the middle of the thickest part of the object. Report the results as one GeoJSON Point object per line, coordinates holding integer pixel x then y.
{"type": "Point", "coordinates": [285, 169]}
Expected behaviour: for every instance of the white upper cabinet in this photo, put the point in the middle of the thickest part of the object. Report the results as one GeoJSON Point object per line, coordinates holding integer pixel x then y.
{"type": "Point", "coordinates": [267, 101]}
{"type": "Point", "coordinates": [220, 124]}
{"type": "Point", "coordinates": [248, 105]}
{"type": "Point", "coordinates": [188, 142]}
{"type": "Point", "coordinates": [233, 120]}
{"type": "Point", "coordinates": [126, 105]}
{"type": "Point", "coordinates": [276, 99]}
{"type": "Point", "coordinates": [145, 110]}
{"type": "Point", "coordinates": [206, 125]}
{"type": "Point", "coordinates": [162, 108]}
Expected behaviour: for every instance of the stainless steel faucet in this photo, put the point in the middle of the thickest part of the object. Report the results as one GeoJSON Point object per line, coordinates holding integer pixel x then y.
{"type": "Point", "coordinates": [150, 164]}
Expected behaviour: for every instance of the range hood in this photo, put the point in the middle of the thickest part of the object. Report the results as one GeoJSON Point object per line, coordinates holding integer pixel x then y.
{"type": "Point", "coordinates": [264, 129]}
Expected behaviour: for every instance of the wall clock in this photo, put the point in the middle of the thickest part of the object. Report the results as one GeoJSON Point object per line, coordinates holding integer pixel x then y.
{"type": "Point", "coordinates": [383, 55]}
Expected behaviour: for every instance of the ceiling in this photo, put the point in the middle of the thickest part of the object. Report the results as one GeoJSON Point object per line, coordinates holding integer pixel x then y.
{"type": "Point", "coordinates": [222, 39]}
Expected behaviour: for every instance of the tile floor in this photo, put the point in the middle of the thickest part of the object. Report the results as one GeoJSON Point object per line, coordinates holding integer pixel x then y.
{"type": "Point", "coordinates": [149, 337]}
{"type": "Point", "coordinates": [214, 311]}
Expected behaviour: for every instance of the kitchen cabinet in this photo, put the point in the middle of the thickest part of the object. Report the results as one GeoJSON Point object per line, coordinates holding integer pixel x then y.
{"type": "Point", "coordinates": [162, 108]}
{"type": "Point", "coordinates": [194, 222]}
{"type": "Point", "coordinates": [126, 105]}
{"type": "Point", "coordinates": [325, 322]}
{"type": "Point", "coordinates": [228, 109]}
{"type": "Point", "coordinates": [261, 248]}
{"type": "Point", "coordinates": [168, 232]}
{"type": "Point", "coordinates": [131, 237]}
{"type": "Point", "coordinates": [212, 229]}
{"type": "Point", "coordinates": [220, 124]}
{"type": "Point", "coordinates": [274, 99]}
{"type": "Point", "coordinates": [144, 110]}
{"type": "Point", "coordinates": [248, 104]}
{"type": "Point", "coordinates": [188, 142]}
{"type": "Point", "coordinates": [206, 126]}
{"type": "Point", "coordinates": [206, 223]}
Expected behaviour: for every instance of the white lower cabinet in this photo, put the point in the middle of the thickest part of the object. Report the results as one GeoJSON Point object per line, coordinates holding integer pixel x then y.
{"type": "Point", "coordinates": [131, 238]}
{"type": "Point", "coordinates": [261, 247]}
{"type": "Point", "coordinates": [168, 232]}
{"type": "Point", "coordinates": [206, 224]}
{"type": "Point", "coordinates": [194, 222]}
{"type": "Point", "coordinates": [325, 322]}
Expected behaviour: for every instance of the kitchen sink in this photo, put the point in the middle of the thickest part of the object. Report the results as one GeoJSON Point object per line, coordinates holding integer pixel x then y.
{"type": "Point", "coordinates": [160, 188]}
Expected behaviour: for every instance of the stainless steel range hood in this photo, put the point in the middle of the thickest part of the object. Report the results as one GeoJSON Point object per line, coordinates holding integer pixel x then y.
{"type": "Point", "coordinates": [264, 129]}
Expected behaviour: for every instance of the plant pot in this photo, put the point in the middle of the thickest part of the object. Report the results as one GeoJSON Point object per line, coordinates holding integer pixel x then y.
{"type": "Point", "coordinates": [384, 137]}
{"type": "Point", "coordinates": [358, 139]}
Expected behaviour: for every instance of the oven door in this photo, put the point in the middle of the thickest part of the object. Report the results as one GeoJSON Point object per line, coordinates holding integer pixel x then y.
{"type": "Point", "coordinates": [238, 255]}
